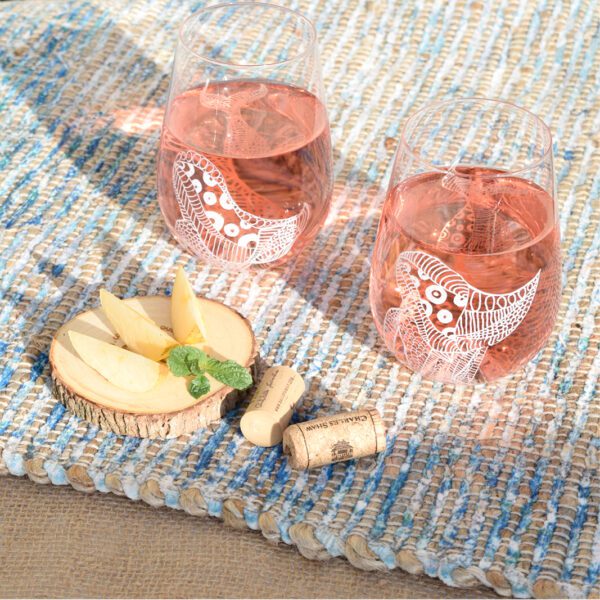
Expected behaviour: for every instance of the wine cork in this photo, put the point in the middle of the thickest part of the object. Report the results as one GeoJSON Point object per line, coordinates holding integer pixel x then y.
{"type": "Point", "coordinates": [334, 438]}
{"type": "Point", "coordinates": [270, 409]}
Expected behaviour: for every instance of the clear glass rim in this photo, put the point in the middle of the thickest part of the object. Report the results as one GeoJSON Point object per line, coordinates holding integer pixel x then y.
{"type": "Point", "coordinates": [224, 5]}
{"type": "Point", "coordinates": [412, 120]}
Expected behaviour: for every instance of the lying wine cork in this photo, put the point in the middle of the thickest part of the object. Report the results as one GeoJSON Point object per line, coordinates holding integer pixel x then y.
{"type": "Point", "coordinates": [334, 438]}
{"type": "Point", "coordinates": [270, 409]}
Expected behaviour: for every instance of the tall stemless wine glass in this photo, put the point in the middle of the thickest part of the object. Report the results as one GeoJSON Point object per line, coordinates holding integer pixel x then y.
{"type": "Point", "coordinates": [465, 278]}
{"type": "Point", "coordinates": [244, 164]}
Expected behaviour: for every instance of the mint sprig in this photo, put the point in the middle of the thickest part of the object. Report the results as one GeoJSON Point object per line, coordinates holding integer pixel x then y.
{"type": "Point", "coordinates": [184, 361]}
{"type": "Point", "coordinates": [199, 386]}
{"type": "Point", "coordinates": [187, 361]}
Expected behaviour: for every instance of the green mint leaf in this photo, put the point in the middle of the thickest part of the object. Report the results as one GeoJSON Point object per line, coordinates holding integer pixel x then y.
{"type": "Point", "coordinates": [186, 361]}
{"type": "Point", "coordinates": [193, 359]}
{"type": "Point", "coordinates": [199, 386]}
{"type": "Point", "coordinates": [177, 361]}
{"type": "Point", "coordinates": [207, 362]}
{"type": "Point", "coordinates": [230, 373]}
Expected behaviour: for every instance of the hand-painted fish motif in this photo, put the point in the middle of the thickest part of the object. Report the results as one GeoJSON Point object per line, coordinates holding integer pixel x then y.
{"type": "Point", "coordinates": [213, 224]}
{"type": "Point", "coordinates": [445, 324]}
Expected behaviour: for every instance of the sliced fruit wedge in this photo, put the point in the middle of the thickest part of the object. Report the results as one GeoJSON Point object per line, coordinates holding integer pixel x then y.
{"type": "Point", "coordinates": [186, 316]}
{"type": "Point", "coordinates": [139, 333]}
{"type": "Point", "coordinates": [125, 369]}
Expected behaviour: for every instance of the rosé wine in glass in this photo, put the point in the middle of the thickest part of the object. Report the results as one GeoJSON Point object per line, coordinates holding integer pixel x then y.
{"type": "Point", "coordinates": [244, 166]}
{"type": "Point", "coordinates": [465, 279]}
{"type": "Point", "coordinates": [244, 171]}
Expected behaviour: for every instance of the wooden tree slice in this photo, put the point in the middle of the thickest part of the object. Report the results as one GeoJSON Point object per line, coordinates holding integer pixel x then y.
{"type": "Point", "coordinates": [166, 410]}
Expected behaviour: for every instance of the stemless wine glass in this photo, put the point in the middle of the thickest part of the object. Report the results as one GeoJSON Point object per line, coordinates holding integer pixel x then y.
{"type": "Point", "coordinates": [244, 164]}
{"type": "Point", "coordinates": [465, 278]}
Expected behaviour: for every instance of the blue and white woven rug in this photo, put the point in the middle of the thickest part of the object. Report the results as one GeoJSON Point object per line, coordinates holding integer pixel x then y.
{"type": "Point", "coordinates": [498, 484]}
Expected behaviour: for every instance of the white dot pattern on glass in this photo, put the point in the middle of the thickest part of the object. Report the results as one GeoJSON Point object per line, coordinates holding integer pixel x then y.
{"type": "Point", "coordinates": [460, 301]}
{"type": "Point", "coordinates": [210, 198]}
{"type": "Point", "coordinates": [231, 229]}
{"type": "Point", "coordinates": [225, 202]}
{"type": "Point", "coordinates": [427, 307]}
{"type": "Point", "coordinates": [444, 316]}
{"type": "Point", "coordinates": [436, 294]}
{"type": "Point", "coordinates": [216, 219]}
{"type": "Point", "coordinates": [249, 240]}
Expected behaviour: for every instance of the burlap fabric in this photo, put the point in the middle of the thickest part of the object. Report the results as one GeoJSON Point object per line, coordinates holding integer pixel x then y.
{"type": "Point", "coordinates": [88, 545]}
{"type": "Point", "coordinates": [497, 484]}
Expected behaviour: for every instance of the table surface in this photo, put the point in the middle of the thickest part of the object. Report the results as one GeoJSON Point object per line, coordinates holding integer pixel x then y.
{"type": "Point", "coordinates": [499, 483]}
{"type": "Point", "coordinates": [82, 545]}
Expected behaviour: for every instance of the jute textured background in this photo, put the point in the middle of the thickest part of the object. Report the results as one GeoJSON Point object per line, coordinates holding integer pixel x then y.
{"type": "Point", "coordinates": [88, 545]}
{"type": "Point", "coordinates": [497, 484]}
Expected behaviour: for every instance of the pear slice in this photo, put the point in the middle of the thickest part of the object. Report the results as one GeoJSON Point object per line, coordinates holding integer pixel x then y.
{"type": "Point", "coordinates": [186, 317]}
{"type": "Point", "coordinates": [139, 333]}
{"type": "Point", "coordinates": [125, 369]}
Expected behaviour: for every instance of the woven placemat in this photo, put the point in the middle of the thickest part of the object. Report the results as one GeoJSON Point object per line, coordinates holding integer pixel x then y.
{"type": "Point", "coordinates": [496, 483]}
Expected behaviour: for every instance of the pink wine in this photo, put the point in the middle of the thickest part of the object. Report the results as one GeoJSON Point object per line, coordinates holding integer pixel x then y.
{"type": "Point", "coordinates": [465, 283]}
{"type": "Point", "coordinates": [244, 171]}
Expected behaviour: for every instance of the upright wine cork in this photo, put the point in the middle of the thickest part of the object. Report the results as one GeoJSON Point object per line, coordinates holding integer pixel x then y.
{"type": "Point", "coordinates": [270, 409]}
{"type": "Point", "coordinates": [334, 438]}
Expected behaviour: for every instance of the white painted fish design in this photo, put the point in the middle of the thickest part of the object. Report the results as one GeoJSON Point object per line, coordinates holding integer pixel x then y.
{"type": "Point", "coordinates": [445, 324]}
{"type": "Point", "coordinates": [214, 226]}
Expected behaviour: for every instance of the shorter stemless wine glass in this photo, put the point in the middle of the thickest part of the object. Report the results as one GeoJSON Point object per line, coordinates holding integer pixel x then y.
{"type": "Point", "coordinates": [465, 278]}
{"type": "Point", "coordinates": [244, 164]}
